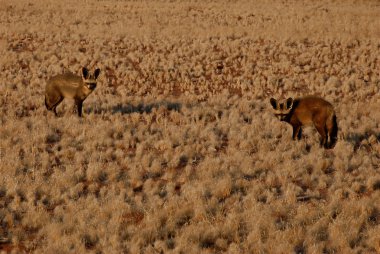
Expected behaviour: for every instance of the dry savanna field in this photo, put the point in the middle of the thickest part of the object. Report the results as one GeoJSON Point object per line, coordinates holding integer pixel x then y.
{"type": "Point", "coordinates": [179, 151]}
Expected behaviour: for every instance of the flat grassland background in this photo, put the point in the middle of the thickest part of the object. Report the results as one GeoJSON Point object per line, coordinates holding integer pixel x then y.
{"type": "Point", "coordinates": [179, 151]}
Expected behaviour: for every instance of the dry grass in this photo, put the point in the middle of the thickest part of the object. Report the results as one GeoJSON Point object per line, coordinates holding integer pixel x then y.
{"type": "Point", "coordinates": [179, 151]}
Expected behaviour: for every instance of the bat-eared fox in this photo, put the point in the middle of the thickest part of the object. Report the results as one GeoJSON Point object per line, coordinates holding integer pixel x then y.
{"type": "Point", "coordinates": [70, 86]}
{"type": "Point", "coordinates": [310, 110]}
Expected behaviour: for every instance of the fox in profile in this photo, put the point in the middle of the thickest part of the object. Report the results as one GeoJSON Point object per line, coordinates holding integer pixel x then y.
{"type": "Point", "coordinates": [70, 86]}
{"type": "Point", "coordinates": [310, 110]}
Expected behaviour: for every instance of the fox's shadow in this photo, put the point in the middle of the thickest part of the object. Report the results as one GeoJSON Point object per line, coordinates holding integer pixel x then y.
{"type": "Point", "coordinates": [130, 108]}
{"type": "Point", "coordinates": [356, 139]}
{"type": "Point", "coordinates": [144, 108]}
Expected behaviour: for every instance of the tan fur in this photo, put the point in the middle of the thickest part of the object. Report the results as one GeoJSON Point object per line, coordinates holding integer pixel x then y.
{"type": "Point", "coordinates": [70, 86]}
{"type": "Point", "coordinates": [310, 110]}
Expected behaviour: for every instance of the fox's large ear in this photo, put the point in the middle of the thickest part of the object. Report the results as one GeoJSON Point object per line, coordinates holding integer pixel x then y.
{"type": "Point", "coordinates": [289, 103]}
{"type": "Point", "coordinates": [273, 102]}
{"type": "Point", "coordinates": [84, 73]}
{"type": "Point", "coordinates": [96, 73]}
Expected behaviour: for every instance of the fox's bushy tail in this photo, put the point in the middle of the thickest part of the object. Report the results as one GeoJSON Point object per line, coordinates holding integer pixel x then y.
{"type": "Point", "coordinates": [46, 105]}
{"type": "Point", "coordinates": [333, 132]}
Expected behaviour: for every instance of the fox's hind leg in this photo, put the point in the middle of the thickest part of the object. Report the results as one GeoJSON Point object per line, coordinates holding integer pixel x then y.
{"type": "Point", "coordinates": [55, 106]}
{"type": "Point", "coordinates": [322, 131]}
{"type": "Point", "coordinates": [51, 102]}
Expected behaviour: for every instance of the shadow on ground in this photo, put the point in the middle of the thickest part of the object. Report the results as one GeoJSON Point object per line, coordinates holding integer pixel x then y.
{"type": "Point", "coordinates": [357, 139]}
{"type": "Point", "coordinates": [129, 108]}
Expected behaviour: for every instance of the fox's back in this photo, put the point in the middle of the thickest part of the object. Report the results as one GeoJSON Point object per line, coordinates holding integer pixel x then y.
{"type": "Point", "coordinates": [66, 84]}
{"type": "Point", "coordinates": [307, 108]}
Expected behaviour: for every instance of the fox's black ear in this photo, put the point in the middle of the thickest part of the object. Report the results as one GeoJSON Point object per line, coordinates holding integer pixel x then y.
{"type": "Point", "coordinates": [96, 73]}
{"type": "Point", "coordinates": [273, 102]}
{"type": "Point", "coordinates": [289, 102]}
{"type": "Point", "coordinates": [84, 73]}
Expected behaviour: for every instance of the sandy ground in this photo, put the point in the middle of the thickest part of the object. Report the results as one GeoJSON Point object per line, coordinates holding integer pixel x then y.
{"type": "Point", "coordinates": [179, 151]}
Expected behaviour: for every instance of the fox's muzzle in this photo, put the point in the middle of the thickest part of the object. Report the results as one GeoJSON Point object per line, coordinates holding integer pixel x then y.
{"type": "Point", "coordinates": [91, 86]}
{"type": "Point", "coordinates": [281, 117]}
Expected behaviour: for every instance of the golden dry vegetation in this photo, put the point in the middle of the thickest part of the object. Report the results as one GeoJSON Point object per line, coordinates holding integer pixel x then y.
{"type": "Point", "coordinates": [179, 151]}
